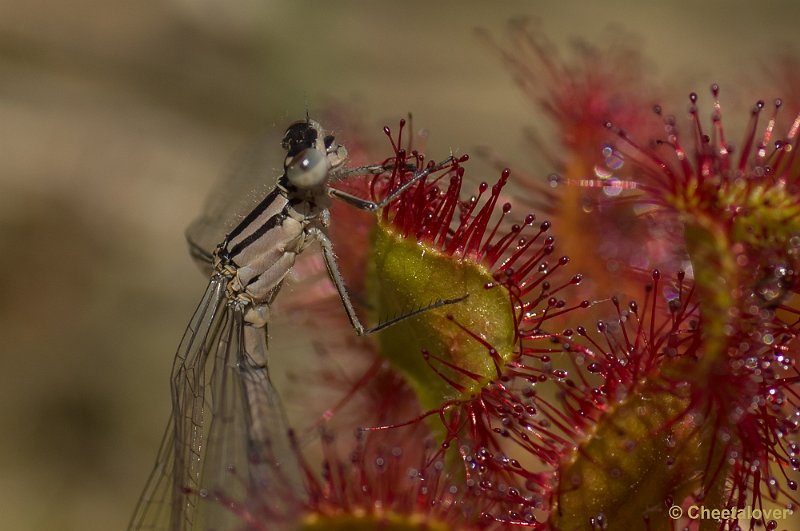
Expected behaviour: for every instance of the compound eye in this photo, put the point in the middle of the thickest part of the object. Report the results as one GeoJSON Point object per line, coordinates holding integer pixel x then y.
{"type": "Point", "coordinates": [307, 169]}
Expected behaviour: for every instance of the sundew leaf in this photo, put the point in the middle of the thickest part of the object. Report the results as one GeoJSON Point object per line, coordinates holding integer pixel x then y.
{"type": "Point", "coordinates": [406, 275]}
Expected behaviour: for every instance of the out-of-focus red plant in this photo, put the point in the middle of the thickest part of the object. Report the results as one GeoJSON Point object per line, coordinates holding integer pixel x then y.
{"type": "Point", "coordinates": [583, 186]}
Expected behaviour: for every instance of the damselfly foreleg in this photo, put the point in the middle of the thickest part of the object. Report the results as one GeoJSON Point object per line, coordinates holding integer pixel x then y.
{"type": "Point", "coordinates": [373, 206]}
{"type": "Point", "coordinates": [333, 271]}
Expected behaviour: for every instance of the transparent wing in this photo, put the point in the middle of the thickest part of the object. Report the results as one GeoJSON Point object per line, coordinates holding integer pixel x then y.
{"type": "Point", "coordinates": [155, 504]}
{"type": "Point", "coordinates": [251, 470]}
{"type": "Point", "coordinates": [169, 498]}
{"type": "Point", "coordinates": [226, 455]}
{"type": "Point", "coordinates": [235, 196]}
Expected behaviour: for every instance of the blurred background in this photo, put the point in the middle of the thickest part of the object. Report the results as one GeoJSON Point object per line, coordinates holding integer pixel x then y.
{"type": "Point", "coordinates": [116, 119]}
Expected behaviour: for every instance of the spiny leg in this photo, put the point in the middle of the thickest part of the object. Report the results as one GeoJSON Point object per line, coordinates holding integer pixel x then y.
{"type": "Point", "coordinates": [373, 169]}
{"type": "Point", "coordinates": [372, 206]}
{"type": "Point", "coordinates": [340, 174]}
{"type": "Point", "coordinates": [333, 271]}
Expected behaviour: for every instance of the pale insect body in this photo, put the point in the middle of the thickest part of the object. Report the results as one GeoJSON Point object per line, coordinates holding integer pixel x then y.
{"type": "Point", "coordinates": [227, 438]}
{"type": "Point", "coordinates": [261, 250]}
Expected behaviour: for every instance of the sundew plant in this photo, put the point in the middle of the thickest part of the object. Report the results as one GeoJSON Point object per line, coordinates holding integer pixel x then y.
{"type": "Point", "coordinates": [650, 382]}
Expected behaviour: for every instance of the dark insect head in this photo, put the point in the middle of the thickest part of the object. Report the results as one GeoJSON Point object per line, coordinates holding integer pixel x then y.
{"type": "Point", "coordinates": [299, 136]}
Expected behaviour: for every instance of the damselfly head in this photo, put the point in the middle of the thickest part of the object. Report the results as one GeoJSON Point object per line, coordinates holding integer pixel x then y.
{"type": "Point", "coordinates": [310, 154]}
{"type": "Point", "coordinates": [300, 136]}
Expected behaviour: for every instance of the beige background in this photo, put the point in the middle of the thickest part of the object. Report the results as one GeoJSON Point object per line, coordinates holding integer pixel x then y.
{"type": "Point", "coordinates": [115, 120]}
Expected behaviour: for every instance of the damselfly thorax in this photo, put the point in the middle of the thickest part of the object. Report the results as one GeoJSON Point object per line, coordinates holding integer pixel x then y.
{"type": "Point", "coordinates": [260, 251]}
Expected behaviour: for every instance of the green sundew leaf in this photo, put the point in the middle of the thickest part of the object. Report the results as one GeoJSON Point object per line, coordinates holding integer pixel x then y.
{"type": "Point", "coordinates": [769, 217]}
{"type": "Point", "coordinates": [622, 472]}
{"type": "Point", "coordinates": [406, 275]}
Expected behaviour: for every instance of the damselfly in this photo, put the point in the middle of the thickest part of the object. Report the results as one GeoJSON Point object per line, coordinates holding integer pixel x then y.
{"type": "Point", "coordinates": [228, 434]}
